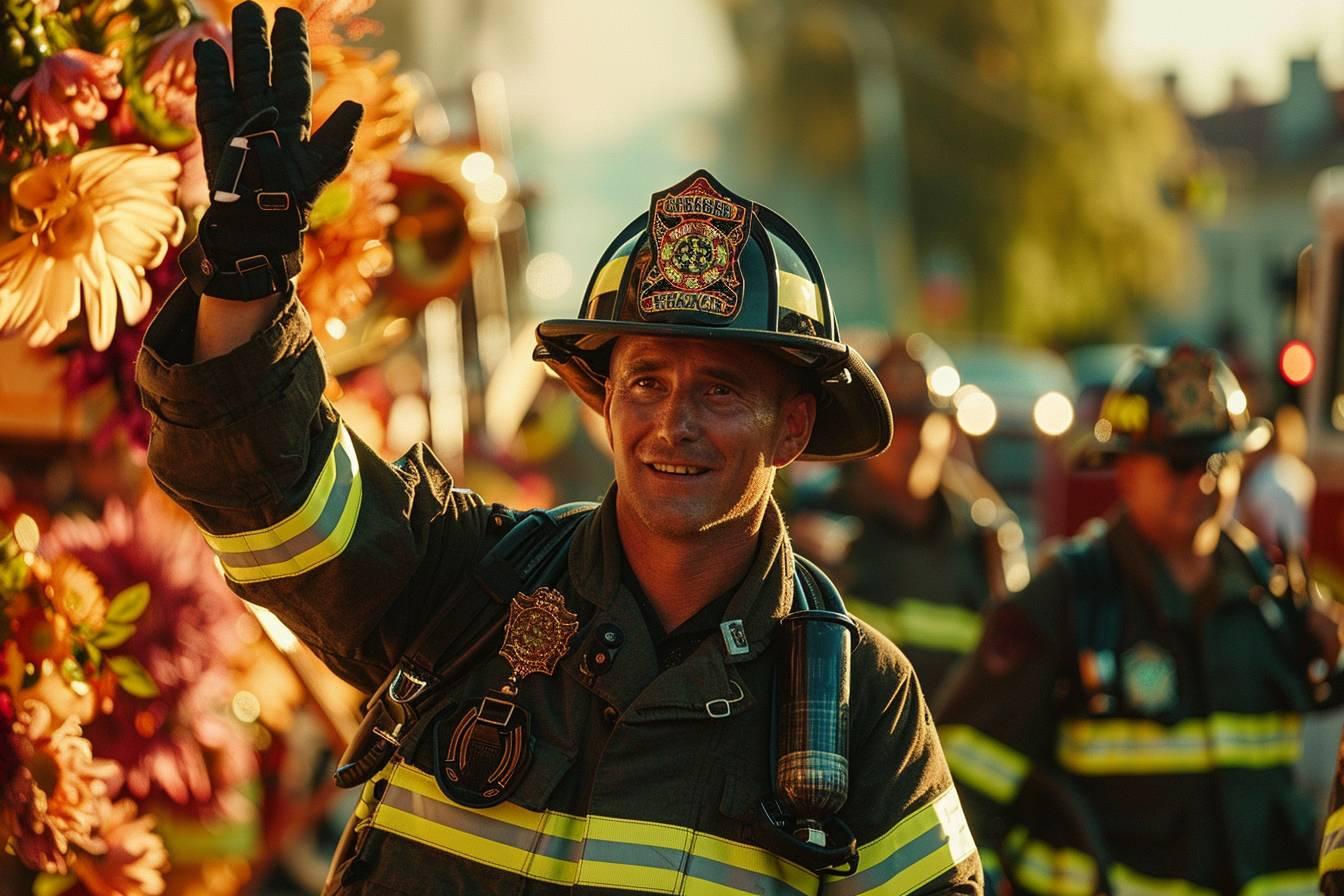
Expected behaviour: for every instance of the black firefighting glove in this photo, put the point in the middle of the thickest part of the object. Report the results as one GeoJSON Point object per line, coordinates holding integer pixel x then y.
{"type": "Point", "coordinates": [265, 171]}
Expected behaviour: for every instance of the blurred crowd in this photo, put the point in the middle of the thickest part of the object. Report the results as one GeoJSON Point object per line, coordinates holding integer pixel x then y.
{"type": "Point", "coordinates": [1126, 712]}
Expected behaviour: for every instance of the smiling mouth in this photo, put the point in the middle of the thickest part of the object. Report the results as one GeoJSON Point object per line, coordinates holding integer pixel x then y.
{"type": "Point", "coordinates": [679, 470]}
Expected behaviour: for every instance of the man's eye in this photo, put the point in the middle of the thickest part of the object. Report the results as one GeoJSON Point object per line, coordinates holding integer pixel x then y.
{"type": "Point", "coordinates": [720, 390]}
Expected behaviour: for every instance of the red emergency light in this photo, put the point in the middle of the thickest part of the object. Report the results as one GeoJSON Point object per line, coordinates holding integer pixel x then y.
{"type": "Point", "coordinates": [1297, 362]}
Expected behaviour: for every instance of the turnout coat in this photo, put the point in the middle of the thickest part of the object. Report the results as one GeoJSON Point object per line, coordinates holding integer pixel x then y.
{"type": "Point", "coordinates": [641, 780]}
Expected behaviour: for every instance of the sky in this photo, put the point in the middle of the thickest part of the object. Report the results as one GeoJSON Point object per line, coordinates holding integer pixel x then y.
{"type": "Point", "coordinates": [1207, 42]}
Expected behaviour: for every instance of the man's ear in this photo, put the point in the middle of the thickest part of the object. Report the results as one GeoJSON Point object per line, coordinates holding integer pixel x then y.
{"type": "Point", "coordinates": [606, 410]}
{"type": "Point", "coordinates": [798, 415]}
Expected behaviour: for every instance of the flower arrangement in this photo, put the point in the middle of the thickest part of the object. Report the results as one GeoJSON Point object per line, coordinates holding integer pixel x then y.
{"type": "Point", "coordinates": [65, 662]}
{"type": "Point", "coordinates": [101, 173]}
{"type": "Point", "coordinates": [122, 748]}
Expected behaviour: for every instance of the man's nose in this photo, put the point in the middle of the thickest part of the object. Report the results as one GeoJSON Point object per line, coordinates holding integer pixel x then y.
{"type": "Point", "coordinates": [679, 417]}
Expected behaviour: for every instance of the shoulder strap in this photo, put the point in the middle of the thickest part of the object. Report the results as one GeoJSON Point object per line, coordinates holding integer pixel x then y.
{"type": "Point", "coordinates": [813, 589]}
{"type": "Point", "coordinates": [1098, 617]}
{"type": "Point", "coordinates": [529, 549]}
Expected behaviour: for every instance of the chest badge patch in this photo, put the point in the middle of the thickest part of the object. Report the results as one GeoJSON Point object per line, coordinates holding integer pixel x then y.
{"type": "Point", "coordinates": [484, 749]}
{"type": "Point", "coordinates": [537, 634]}
{"type": "Point", "coordinates": [1149, 678]}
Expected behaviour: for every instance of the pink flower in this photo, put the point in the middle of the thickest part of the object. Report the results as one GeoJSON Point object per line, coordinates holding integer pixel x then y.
{"type": "Point", "coordinates": [183, 747]}
{"type": "Point", "coordinates": [170, 76]}
{"type": "Point", "coordinates": [68, 92]}
{"type": "Point", "coordinates": [135, 858]}
{"type": "Point", "coordinates": [52, 801]}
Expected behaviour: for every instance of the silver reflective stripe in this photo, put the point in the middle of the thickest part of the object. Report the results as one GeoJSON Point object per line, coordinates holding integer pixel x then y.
{"type": "Point", "coordinates": [314, 535]}
{"type": "Point", "coordinates": [580, 851]}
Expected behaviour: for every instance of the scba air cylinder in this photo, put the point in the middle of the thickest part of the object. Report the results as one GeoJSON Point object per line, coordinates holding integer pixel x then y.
{"type": "Point", "coordinates": [812, 738]}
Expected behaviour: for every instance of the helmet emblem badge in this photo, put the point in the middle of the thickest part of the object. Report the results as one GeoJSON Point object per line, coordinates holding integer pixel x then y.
{"type": "Point", "coordinates": [696, 231]}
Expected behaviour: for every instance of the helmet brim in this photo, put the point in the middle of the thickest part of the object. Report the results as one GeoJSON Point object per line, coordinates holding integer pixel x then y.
{"type": "Point", "coordinates": [853, 417]}
{"type": "Point", "coordinates": [1251, 438]}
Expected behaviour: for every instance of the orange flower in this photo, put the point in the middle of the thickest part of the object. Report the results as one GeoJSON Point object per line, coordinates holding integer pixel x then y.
{"type": "Point", "coordinates": [329, 21]}
{"type": "Point", "coordinates": [350, 73]}
{"type": "Point", "coordinates": [348, 249]}
{"type": "Point", "coordinates": [135, 858]}
{"type": "Point", "coordinates": [68, 90]}
{"type": "Point", "coordinates": [170, 75]}
{"type": "Point", "coordinates": [52, 803]}
{"type": "Point", "coordinates": [75, 592]}
{"type": "Point", "coordinates": [88, 226]}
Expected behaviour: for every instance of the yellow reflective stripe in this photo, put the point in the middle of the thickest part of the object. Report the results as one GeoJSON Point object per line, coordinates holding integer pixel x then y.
{"type": "Point", "coordinates": [314, 534]}
{"type": "Point", "coordinates": [1128, 882]}
{"type": "Point", "coordinates": [1332, 844]}
{"type": "Point", "coordinates": [1047, 869]}
{"type": "Point", "coordinates": [609, 278]}
{"type": "Point", "coordinates": [800, 294]}
{"type": "Point", "coordinates": [1298, 882]}
{"type": "Point", "coordinates": [922, 846]}
{"type": "Point", "coordinates": [1335, 821]}
{"type": "Point", "coordinates": [921, 623]}
{"type": "Point", "coordinates": [1143, 747]}
{"type": "Point", "coordinates": [595, 850]}
{"type": "Point", "coordinates": [980, 761]}
{"type": "Point", "coordinates": [296, 522]}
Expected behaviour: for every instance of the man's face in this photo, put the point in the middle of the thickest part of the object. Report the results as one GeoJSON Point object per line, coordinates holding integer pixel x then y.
{"type": "Point", "coordinates": [1177, 507]}
{"type": "Point", "coordinates": [913, 465]}
{"type": "Point", "coordinates": [697, 429]}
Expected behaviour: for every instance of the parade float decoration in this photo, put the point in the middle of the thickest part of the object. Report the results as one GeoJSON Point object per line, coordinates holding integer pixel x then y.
{"type": "Point", "coordinates": [142, 741]}
{"type": "Point", "coordinates": [101, 179]}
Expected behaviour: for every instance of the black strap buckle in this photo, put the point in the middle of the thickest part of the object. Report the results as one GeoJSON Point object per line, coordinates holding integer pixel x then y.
{"type": "Point", "coordinates": [494, 711]}
{"type": "Point", "coordinates": [393, 737]}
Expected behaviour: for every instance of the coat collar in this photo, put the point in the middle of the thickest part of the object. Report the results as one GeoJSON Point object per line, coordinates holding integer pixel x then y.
{"type": "Point", "coordinates": [763, 597]}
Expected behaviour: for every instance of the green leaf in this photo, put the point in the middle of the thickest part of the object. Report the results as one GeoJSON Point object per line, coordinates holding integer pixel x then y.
{"type": "Point", "coordinates": [114, 634]}
{"type": "Point", "coordinates": [46, 884]}
{"type": "Point", "coordinates": [154, 122]}
{"type": "Point", "coordinates": [132, 676]}
{"type": "Point", "coordinates": [94, 654]}
{"type": "Point", "coordinates": [129, 604]}
{"type": "Point", "coordinates": [71, 670]}
{"type": "Point", "coordinates": [331, 203]}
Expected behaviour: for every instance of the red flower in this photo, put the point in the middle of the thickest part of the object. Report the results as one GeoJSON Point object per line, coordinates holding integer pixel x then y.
{"type": "Point", "coordinates": [68, 92]}
{"type": "Point", "coordinates": [170, 76]}
{"type": "Point", "coordinates": [183, 746]}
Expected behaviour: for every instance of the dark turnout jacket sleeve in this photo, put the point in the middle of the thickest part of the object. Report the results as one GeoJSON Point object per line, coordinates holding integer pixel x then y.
{"type": "Point", "coordinates": [899, 773]}
{"type": "Point", "coordinates": [348, 550]}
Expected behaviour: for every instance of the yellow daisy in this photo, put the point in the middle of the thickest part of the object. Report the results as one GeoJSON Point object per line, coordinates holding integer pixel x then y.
{"type": "Point", "coordinates": [88, 227]}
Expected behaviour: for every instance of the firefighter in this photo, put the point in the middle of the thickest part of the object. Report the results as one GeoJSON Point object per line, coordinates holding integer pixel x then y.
{"type": "Point", "coordinates": [1130, 720]}
{"type": "Point", "coordinates": [918, 539]}
{"type": "Point", "coordinates": [581, 700]}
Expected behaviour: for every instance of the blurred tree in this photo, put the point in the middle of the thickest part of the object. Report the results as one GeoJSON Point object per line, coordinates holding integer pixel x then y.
{"type": "Point", "coordinates": [1025, 159]}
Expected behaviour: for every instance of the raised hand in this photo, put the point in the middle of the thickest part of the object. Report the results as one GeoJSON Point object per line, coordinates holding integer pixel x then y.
{"type": "Point", "coordinates": [265, 169]}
